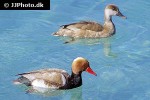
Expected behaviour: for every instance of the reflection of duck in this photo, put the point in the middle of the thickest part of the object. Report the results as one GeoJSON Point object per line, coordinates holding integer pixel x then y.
{"type": "Point", "coordinates": [56, 78]}
{"type": "Point", "coordinates": [75, 94]}
{"type": "Point", "coordinates": [104, 42]}
{"type": "Point", "coordinates": [87, 29]}
{"type": "Point", "coordinates": [45, 91]}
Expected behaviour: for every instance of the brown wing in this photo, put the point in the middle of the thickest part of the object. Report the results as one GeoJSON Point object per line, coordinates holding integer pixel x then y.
{"type": "Point", "coordinates": [85, 25]}
{"type": "Point", "coordinates": [43, 71]}
{"type": "Point", "coordinates": [43, 74]}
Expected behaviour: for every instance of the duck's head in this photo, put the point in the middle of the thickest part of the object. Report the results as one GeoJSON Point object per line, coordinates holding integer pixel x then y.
{"type": "Point", "coordinates": [113, 10]}
{"type": "Point", "coordinates": [81, 64]}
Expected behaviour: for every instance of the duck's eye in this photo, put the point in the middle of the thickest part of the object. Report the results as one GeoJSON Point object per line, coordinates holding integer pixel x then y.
{"type": "Point", "coordinates": [113, 9]}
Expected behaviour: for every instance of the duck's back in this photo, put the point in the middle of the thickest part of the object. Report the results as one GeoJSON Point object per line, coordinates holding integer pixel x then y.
{"type": "Point", "coordinates": [80, 29]}
{"type": "Point", "coordinates": [85, 25]}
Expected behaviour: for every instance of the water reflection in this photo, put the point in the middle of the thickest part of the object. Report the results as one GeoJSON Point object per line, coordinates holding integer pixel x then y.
{"type": "Point", "coordinates": [105, 42]}
{"type": "Point", "coordinates": [44, 91]}
{"type": "Point", "coordinates": [75, 94]}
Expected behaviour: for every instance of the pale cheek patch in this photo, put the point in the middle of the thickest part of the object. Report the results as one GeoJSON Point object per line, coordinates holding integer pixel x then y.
{"type": "Point", "coordinates": [109, 12]}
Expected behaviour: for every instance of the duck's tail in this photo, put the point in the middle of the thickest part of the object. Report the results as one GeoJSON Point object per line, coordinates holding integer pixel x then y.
{"type": "Point", "coordinates": [22, 80]}
{"type": "Point", "coordinates": [16, 82]}
{"type": "Point", "coordinates": [55, 34]}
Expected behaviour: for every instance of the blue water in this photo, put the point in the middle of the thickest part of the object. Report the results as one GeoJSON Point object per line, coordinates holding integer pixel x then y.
{"type": "Point", "coordinates": [121, 62]}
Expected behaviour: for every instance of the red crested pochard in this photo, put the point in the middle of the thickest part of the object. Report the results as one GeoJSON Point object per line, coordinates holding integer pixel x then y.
{"type": "Point", "coordinates": [56, 78]}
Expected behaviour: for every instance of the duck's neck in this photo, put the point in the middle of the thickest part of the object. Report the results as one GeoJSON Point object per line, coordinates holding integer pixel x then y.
{"type": "Point", "coordinates": [76, 79]}
{"type": "Point", "coordinates": [109, 26]}
{"type": "Point", "coordinates": [107, 15]}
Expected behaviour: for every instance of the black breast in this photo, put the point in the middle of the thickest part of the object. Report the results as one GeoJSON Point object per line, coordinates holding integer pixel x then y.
{"type": "Point", "coordinates": [74, 81]}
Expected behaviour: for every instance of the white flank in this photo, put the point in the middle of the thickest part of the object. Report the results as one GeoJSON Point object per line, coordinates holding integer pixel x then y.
{"type": "Point", "coordinates": [39, 83]}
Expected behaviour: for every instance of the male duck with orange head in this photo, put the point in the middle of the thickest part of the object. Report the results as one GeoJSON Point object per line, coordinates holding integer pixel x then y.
{"type": "Point", "coordinates": [56, 78]}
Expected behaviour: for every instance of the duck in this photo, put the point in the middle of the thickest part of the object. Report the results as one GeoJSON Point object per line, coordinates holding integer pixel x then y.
{"type": "Point", "coordinates": [91, 29]}
{"type": "Point", "coordinates": [53, 78]}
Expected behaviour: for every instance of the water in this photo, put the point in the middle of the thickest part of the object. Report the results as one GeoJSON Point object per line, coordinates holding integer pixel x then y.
{"type": "Point", "coordinates": [121, 62]}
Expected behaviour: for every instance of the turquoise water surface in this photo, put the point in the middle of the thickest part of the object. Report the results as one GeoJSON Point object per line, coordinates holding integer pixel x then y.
{"type": "Point", "coordinates": [121, 62]}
